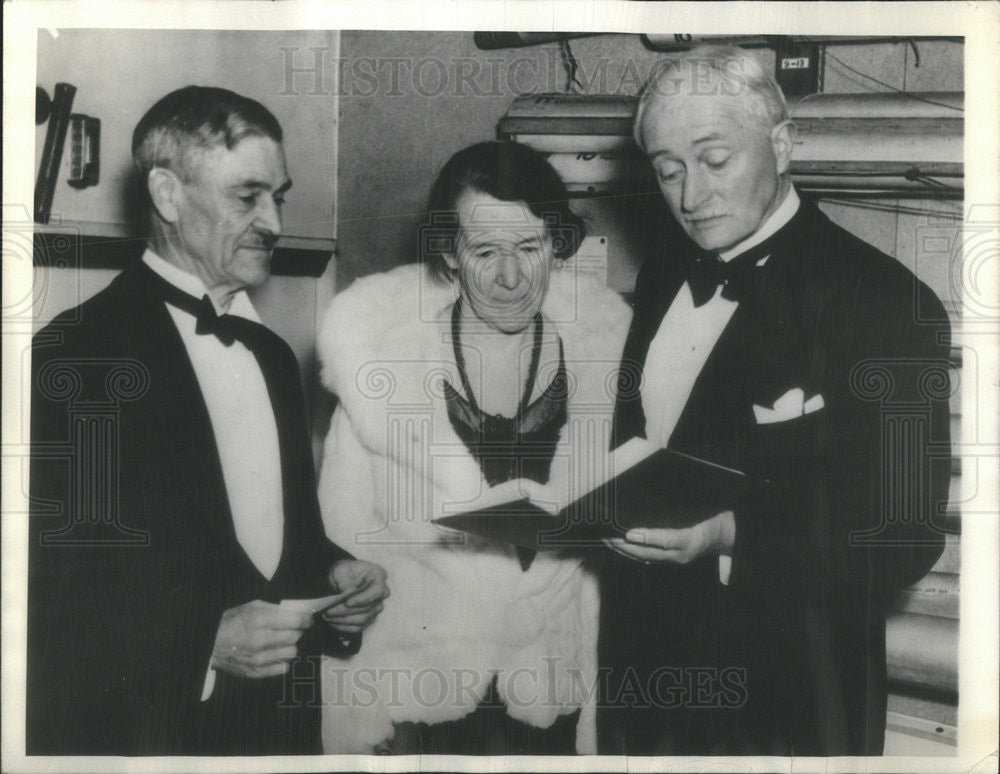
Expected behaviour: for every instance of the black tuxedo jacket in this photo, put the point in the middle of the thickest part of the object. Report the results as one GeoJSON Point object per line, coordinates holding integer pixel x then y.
{"type": "Point", "coordinates": [789, 658]}
{"type": "Point", "coordinates": [134, 557]}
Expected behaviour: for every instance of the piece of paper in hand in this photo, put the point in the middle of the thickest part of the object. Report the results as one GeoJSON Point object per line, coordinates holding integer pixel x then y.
{"type": "Point", "coordinates": [317, 605]}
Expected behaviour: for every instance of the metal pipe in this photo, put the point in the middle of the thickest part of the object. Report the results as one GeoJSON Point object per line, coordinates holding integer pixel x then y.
{"type": "Point", "coordinates": [488, 41]}
{"type": "Point", "coordinates": [674, 43]}
{"type": "Point", "coordinates": [889, 105]}
{"type": "Point", "coordinates": [922, 651]}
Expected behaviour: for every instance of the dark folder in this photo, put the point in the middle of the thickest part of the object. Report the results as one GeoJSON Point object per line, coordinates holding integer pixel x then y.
{"type": "Point", "coordinates": [666, 489]}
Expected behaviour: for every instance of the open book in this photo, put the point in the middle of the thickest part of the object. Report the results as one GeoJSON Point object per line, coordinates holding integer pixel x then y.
{"type": "Point", "coordinates": [643, 486]}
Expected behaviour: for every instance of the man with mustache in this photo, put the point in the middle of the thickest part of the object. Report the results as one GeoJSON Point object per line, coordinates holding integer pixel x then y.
{"type": "Point", "coordinates": [157, 572]}
{"type": "Point", "coordinates": [771, 341]}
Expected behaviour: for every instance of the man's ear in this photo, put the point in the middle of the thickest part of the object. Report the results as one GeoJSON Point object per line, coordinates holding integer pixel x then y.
{"type": "Point", "coordinates": [451, 260]}
{"type": "Point", "coordinates": [164, 192]}
{"type": "Point", "coordinates": [782, 141]}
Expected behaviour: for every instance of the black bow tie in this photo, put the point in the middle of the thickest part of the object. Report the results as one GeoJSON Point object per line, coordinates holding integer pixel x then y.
{"type": "Point", "coordinates": [226, 328]}
{"type": "Point", "coordinates": [736, 276]}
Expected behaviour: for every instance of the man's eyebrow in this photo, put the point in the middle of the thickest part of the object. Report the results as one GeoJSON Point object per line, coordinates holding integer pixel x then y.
{"type": "Point", "coordinates": [664, 154]}
{"type": "Point", "coordinates": [260, 185]}
{"type": "Point", "coordinates": [707, 138]}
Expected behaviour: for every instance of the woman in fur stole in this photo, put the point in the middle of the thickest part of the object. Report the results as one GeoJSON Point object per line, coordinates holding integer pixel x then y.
{"type": "Point", "coordinates": [492, 359]}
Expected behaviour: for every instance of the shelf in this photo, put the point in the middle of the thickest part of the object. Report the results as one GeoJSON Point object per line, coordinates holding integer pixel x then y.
{"type": "Point", "coordinates": [89, 245]}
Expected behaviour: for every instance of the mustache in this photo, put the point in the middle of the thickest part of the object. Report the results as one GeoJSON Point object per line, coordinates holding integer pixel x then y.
{"type": "Point", "coordinates": [262, 239]}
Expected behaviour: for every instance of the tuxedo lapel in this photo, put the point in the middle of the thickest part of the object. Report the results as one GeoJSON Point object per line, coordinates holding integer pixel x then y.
{"type": "Point", "coordinates": [762, 350]}
{"type": "Point", "coordinates": [180, 408]}
{"type": "Point", "coordinates": [185, 413]}
{"type": "Point", "coordinates": [656, 288]}
{"type": "Point", "coordinates": [657, 284]}
{"type": "Point", "coordinates": [714, 416]}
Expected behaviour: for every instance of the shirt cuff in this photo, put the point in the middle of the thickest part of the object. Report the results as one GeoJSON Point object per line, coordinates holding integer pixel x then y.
{"type": "Point", "coordinates": [209, 686]}
{"type": "Point", "coordinates": [725, 567]}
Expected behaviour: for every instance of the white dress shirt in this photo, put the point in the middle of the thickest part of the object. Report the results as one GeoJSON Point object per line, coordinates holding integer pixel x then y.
{"type": "Point", "coordinates": [242, 418]}
{"type": "Point", "coordinates": [686, 337]}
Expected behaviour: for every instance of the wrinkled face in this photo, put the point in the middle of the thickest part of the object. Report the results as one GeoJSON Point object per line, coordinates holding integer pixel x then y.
{"type": "Point", "coordinates": [503, 254]}
{"type": "Point", "coordinates": [717, 165]}
{"type": "Point", "coordinates": [229, 211]}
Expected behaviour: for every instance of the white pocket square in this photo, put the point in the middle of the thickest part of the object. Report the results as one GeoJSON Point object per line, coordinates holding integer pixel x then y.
{"type": "Point", "coordinates": [789, 406]}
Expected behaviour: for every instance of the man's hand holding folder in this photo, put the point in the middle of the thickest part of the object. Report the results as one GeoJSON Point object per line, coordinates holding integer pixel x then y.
{"type": "Point", "coordinates": [715, 535]}
{"type": "Point", "coordinates": [651, 503]}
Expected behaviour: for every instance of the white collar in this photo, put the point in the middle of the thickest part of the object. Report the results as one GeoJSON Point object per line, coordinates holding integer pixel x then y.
{"type": "Point", "coordinates": [193, 285]}
{"type": "Point", "coordinates": [781, 216]}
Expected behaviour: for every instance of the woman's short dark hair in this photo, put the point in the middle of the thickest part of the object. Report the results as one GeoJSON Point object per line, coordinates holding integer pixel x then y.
{"type": "Point", "coordinates": [507, 171]}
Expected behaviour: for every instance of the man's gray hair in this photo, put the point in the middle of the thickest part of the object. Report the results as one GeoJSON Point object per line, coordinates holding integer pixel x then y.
{"type": "Point", "coordinates": [712, 70]}
{"type": "Point", "coordinates": [197, 117]}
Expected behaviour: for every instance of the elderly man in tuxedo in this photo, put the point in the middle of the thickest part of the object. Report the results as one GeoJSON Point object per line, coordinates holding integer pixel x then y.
{"type": "Point", "coordinates": [175, 563]}
{"type": "Point", "coordinates": [769, 340]}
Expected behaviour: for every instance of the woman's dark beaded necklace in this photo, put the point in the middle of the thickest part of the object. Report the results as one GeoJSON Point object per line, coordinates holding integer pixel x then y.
{"type": "Point", "coordinates": [536, 349]}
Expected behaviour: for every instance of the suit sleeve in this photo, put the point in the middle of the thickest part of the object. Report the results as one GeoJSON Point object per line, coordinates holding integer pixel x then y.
{"type": "Point", "coordinates": [323, 638]}
{"type": "Point", "coordinates": [858, 490]}
{"type": "Point", "coordinates": [308, 577]}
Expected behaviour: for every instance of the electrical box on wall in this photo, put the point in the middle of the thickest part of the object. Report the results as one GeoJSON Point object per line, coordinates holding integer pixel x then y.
{"type": "Point", "coordinates": [797, 67]}
{"type": "Point", "coordinates": [87, 178]}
